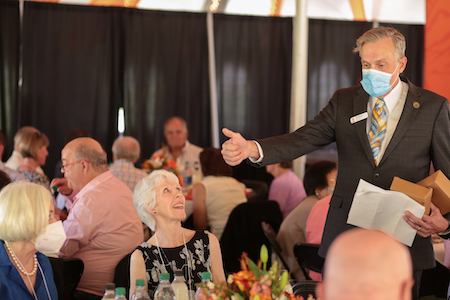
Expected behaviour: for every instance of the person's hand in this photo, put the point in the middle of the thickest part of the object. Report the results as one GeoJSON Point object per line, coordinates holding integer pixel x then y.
{"type": "Point", "coordinates": [428, 225]}
{"type": "Point", "coordinates": [236, 149]}
{"type": "Point", "coordinates": [63, 188]}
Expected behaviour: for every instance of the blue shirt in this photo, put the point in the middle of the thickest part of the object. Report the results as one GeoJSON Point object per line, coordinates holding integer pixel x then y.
{"type": "Point", "coordinates": [12, 285]}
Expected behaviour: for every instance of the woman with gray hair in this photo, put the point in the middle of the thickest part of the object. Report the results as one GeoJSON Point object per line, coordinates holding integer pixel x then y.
{"type": "Point", "coordinates": [25, 210]}
{"type": "Point", "coordinates": [160, 205]}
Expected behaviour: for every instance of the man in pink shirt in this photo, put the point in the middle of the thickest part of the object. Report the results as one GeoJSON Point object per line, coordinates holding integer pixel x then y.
{"type": "Point", "coordinates": [103, 225]}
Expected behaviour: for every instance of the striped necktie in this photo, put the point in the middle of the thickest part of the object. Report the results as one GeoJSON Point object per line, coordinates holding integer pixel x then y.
{"type": "Point", "coordinates": [377, 128]}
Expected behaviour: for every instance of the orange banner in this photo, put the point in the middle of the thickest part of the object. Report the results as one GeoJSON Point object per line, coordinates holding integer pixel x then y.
{"type": "Point", "coordinates": [358, 10]}
{"type": "Point", "coordinates": [437, 47]}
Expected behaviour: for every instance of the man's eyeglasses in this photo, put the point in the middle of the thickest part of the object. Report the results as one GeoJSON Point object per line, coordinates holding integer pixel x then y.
{"type": "Point", "coordinates": [63, 167]}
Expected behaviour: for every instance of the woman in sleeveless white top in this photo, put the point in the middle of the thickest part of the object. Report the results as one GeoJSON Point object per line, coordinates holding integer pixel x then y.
{"type": "Point", "coordinates": [217, 195]}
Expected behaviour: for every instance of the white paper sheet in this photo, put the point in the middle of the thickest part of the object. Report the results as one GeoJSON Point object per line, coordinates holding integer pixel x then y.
{"type": "Point", "coordinates": [374, 207]}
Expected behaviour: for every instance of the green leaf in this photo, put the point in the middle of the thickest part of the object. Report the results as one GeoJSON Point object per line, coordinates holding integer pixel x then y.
{"type": "Point", "coordinates": [254, 268]}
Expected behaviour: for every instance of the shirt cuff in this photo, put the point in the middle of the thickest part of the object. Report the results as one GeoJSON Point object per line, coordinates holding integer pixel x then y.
{"type": "Point", "coordinates": [261, 154]}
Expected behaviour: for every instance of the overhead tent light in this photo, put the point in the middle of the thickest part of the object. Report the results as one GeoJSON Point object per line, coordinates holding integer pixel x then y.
{"type": "Point", "coordinates": [121, 121]}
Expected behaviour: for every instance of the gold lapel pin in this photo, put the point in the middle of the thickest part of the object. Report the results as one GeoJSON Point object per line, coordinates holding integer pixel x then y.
{"type": "Point", "coordinates": [416, 104]}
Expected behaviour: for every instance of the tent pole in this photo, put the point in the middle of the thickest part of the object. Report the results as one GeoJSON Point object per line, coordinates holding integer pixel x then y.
{"type": "Point", "coordinates": [299, 76]}
{"type": "Point", "coordinates": [212, 80]}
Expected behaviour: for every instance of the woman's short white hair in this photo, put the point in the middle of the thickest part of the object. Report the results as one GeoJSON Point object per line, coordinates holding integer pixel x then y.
{"type": "Point", "coordinates": [24, 211]}
{"type": "Point", "coordinates": [145, 194]}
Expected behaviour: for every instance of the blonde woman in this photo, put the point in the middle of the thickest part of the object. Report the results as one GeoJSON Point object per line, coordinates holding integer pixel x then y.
{"type": "Point", "coordinates": [33, 147]}
{"type": "Point", "coordinates": [24, 215]}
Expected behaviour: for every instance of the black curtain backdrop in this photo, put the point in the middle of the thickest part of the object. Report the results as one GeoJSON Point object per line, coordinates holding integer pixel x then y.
{"type": "Point", "coordinates": [71, 73]}
{"type": "Point", "coordinates": [9, 69]}
{"type": "Point", "coordinates": [165, 70]}
{"type": "Point", "coordinates": [415, 40]}
{"type": "Point", "coordinates": [331, 62]}
{"type": "Point", "coordinates": [254, 61]}
{"type": "Point", "coordinates": [81, 63]}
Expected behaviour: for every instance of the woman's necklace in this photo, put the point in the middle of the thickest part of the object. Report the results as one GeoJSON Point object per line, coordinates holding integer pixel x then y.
{"type": "Point", "coordinates": [18, 263]}
{"type": "Point", "coordinates": [187, 255]}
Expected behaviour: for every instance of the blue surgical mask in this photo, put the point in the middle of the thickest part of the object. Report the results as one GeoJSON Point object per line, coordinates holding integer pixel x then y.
{"type": "Point", "coordinates": [376, 83]}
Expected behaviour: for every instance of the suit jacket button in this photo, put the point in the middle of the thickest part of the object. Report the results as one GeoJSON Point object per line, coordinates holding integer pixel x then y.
{"type": "Point", "coordinates": [376, 175]}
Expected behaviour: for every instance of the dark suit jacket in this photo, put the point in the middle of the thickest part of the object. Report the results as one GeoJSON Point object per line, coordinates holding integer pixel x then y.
{"type": "Point", "coordinates": [422, 136]}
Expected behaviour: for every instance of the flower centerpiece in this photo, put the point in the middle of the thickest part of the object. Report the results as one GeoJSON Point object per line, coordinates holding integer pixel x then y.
{"type": "Point", "coordinates": [159, 161]}
{"type": "Point", "coordinates": [254, 282]}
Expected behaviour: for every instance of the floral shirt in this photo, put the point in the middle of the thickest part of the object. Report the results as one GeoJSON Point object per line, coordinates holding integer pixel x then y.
{"type": "Point", "coordinates": [35, 177]}
{"type": "Point", "coordinates": [177, 258]}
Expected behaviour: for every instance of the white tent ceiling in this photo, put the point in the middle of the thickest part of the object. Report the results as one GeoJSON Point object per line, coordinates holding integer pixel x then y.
{"type": "Point", "coordinates": [395, 11]}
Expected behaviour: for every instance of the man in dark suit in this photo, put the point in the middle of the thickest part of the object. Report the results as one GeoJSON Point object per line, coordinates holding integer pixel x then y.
{"type": "Point", "coordinates": [415, 129]}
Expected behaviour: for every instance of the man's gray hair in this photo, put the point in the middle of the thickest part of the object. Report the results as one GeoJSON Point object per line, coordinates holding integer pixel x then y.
{"type": "Point", "coordinates": [379, 33]}
{"type": "Point", "coordinates": [126, 147]}
{"type": "Point", "coordinates": [145, 194]}
{"type": "Point", "coordinates": [183, 121]}
{"type": "Point", "coordinates": [97, 159]}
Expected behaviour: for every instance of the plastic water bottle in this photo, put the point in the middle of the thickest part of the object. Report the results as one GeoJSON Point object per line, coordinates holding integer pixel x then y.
{"type": "Point", "coordinates": [141, 292]}
{"type": "Point", "coordinates": [120, 294]}
{"type": "Point", "coordinates": [164, 290]}
{"type": "Point", "coordinates": [109, 291]}
{"type": "Point", "coordinates": [202, 293]}
{"type": "Point", "coordinates": [179, 286]}
{"type": "Point", "coordinates": [187, 175]}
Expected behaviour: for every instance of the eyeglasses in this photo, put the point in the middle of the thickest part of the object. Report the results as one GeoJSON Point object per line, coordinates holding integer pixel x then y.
{"type": "Point", "coordinates": [63, 167]}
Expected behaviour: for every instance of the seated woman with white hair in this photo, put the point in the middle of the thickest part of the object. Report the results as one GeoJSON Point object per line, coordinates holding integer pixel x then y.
{"type": "Point", "coordinates": [160, 205]}
{"type": "Point", "coordinates": [25, 209]}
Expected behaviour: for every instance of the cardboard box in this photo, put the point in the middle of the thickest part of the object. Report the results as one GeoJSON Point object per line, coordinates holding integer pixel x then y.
{"type": "Point", "coordinates": [441, 190]}
{"type": "Point", "coordinates": [417, 192]}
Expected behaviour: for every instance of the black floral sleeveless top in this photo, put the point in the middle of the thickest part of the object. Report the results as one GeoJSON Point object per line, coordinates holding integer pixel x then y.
{"type": "Point", "coordinates": [193, 263]}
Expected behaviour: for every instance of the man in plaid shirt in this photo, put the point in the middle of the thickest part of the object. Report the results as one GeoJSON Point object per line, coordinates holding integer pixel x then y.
{"type": "Point", "coordinates": [126, 151]}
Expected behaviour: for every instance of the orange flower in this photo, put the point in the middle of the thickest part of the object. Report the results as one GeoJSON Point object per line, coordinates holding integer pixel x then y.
{"type": "Point", "coordinates": [146, 165]}
{"type": "Point", "coordinates": [171, 164]}
{"type": "Point", "coordinates": [180, 178]}
{"type": "Point", "coordinates": [157, 155]}
{"type": "Point", "coordinates": [244, 280]}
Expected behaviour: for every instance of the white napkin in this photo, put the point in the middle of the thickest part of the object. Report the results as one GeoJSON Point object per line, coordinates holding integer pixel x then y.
{"type": "Point", "coordinates": [374, 207]}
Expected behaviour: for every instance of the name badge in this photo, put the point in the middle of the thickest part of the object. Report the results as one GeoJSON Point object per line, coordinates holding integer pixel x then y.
{"type": "Point", "coordinates": [359, 117]}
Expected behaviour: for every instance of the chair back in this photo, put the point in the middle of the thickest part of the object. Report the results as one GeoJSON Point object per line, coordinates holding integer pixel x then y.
{"type": "Point", "coordinates": [272, 237]}
{"type": "Point", "coordinates": [260, 190]}
{"type": "Point", "coordinates": [305, 288]}
{"type": "Point", "coordinates": [122, 273]}
{"type": "Point", "coordinates": [73, 270]}
{"type": "Point", "coordinates": [243, 232]}
{"type": "Point", "coordinates": [307, 256]}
